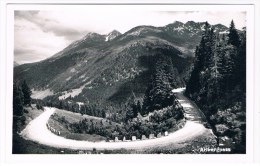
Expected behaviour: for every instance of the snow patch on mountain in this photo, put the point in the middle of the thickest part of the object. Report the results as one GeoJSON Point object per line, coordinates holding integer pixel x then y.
{"type": "Point", "coordinates": [67, 79]}
{"type": "Point", "coordinates": [223, 32]}
{"type": "Point", "coordinates": [83, 76]}
{"type": "Point", "coordinates": [73, 70]}
{"type": "Point", "coordinates": [112, 35]}
{"type": "Point", "coordinates": [178, 29]}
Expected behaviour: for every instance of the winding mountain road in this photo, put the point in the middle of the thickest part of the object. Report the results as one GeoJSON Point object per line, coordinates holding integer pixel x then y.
{"type": "Point", "coordinates": [37, 131]}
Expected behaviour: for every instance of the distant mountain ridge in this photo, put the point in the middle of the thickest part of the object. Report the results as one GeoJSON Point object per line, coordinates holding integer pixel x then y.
{"type": "Point", "coordinates": [110, 67]}
{"type": "Point", "coordinates": [190, 30]}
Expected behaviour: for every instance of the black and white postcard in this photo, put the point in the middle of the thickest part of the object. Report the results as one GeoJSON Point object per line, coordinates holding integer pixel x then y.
{"type": "Point", "coordinates": [130, 79]}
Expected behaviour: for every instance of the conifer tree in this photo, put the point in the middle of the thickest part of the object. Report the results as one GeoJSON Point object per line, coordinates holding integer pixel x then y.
{"type": "Point", "coordinates": [241, 62]}
{"type": "Point", "coordinates": [202, 62]}
{"type": "Point", "coordinates": [26, 93]}
{"type": "Point", "coordinates": [132, 110]}
{"type": "Point", "coordinates": [129, 114]}
{"type": "Point", "coordinates": [158, 94]}
{"type": "Point", "coordinates": [139, 106]}
{"type": "Point", "coordinates": [18, 100]}
{"type": "Point", "coordinates": [208, 49]}
{"type": "Point", "coordinates": [148, 97]}
{"type": "Point", "coordinates": [233, 37]}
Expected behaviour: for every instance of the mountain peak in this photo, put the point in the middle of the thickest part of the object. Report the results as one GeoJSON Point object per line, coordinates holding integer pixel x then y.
{"type": "Point", "coordinates": [114, 31]}
{"type": "Point", "coordinates": [143, 30]}
{"type": "Point", "coordinates": [190, 23]}
{"type": "Point", "coordinates": [177, 23]}
{"type": "Point", "coordinates": [91, 35]}
{"type": "Point", "coordinates": [113, 34]}
{"type": "Point", "coordinates": [220, 26]}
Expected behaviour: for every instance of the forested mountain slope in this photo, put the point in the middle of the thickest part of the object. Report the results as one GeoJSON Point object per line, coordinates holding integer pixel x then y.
{"type": "Point", "coordinates": [109, 68]}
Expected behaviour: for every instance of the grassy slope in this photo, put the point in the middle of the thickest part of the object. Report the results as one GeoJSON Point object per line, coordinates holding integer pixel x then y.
{"type": "Point", "coordinates": [74, 118]}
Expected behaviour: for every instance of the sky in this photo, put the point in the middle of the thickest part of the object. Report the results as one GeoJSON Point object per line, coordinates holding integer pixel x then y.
{"type": "Point", "coordinates": [39, 34]}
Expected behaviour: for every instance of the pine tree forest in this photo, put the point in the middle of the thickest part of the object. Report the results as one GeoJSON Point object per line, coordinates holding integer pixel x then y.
{"type": "Point", "coordinates": [218, 82]}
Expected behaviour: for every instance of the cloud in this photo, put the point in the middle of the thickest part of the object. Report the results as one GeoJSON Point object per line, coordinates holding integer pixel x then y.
{"type": "Point", "coordinates": [48, 24]}
{"type": "Point", "coordinates": [177, 12]}
{"type": "Point", "coordinates": [25, 14]}
{"type": "Point", "coordinates": [32, 44]}
{"type": "Point", "coordinates": [22, 53]}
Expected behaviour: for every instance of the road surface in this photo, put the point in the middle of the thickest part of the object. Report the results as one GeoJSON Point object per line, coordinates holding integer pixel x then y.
{"type": "Point", "coordinates": [37, 131]}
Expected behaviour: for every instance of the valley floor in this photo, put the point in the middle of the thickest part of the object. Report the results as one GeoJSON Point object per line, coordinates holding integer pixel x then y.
{"type": "Point", "coordinates": [194, 129]}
